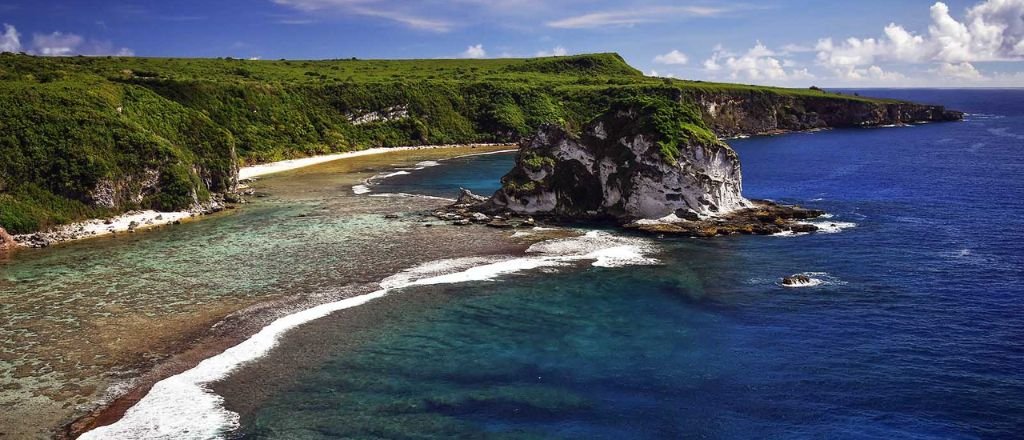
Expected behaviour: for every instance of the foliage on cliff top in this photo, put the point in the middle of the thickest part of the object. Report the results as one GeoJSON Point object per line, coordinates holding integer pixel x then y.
{"type": "Point", "coordinates": [67, 124]}
{"type": "Point", "coordinates": [673, 123]}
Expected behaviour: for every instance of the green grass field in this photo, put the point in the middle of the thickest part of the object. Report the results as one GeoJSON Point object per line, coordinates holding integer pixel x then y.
{"type": "Point", "coordinates": [167, 133]}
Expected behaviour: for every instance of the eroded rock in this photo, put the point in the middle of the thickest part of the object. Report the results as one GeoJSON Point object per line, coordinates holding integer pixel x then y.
{"type": "Point", "coordinates": [620, 168]}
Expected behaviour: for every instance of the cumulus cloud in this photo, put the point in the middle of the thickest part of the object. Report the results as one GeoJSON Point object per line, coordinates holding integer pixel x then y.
{"type": "Point", "coordinates": [10, 40]}
{"type": "Point", "coordinates": [674, 57]}
{"type": "Point", "coordinates": [557, 51]}
{"type": "Point", "coordinates": [961, 71]}
{"type": "Point", "coordinates": [759, 63]}
{"type": "Point", "coordinates": [56, 44]}
{"type": "Point", "coordinates": [474, 51]}
{"type": "Point", "coordinates": [990, 31]}
{"type": "Point", "coordinates": [59, 44]}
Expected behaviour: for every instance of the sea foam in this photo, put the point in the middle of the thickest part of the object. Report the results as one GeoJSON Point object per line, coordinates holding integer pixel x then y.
{"type": "Point", "coordinates": [184, 407]}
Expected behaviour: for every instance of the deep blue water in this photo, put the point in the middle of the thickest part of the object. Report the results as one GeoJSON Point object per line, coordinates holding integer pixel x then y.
{"type": "Point", "coordinates": [919, 333]}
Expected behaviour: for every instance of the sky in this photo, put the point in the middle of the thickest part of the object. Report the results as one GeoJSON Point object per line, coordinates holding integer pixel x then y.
{"type": "Point", "coordinates": [798, 43]}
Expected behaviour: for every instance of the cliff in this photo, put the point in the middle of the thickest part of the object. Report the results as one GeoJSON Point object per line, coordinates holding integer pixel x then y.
{"type": "Point", "coordinates": [642, 159]}
{"type": "Point", "coordinates": [735, 113]}
{"type": "Point", "coordinates": [86, 137]}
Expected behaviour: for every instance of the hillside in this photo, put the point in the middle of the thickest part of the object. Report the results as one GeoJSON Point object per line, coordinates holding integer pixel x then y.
{"type": "Point", "coordinates": [83, 137]}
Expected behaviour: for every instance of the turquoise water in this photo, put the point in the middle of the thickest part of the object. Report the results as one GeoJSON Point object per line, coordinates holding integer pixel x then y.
{"type": "Point", "coordinates": [916, 332]}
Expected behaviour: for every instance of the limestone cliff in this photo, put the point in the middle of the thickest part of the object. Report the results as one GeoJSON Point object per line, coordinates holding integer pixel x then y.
{"type": "Point", "coordinates": [734, 112]}
{"type": "Point", "coordinates": [639, 160]}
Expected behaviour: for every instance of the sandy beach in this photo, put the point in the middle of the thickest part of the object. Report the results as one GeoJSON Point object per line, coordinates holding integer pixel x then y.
{"type": "Point", "coordinates": [152, 305]}
{"type": "Point", "coordinates": [134, 221]}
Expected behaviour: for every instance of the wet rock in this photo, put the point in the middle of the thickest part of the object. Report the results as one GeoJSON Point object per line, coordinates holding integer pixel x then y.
{"type": "Point", "coordinates": [763, 218]}
{"type": "Point", "coordinates": [462, 222]}
{"type": "Point", "coordinates": [501, 224]}
{"type": "Point", "coordinates": [480, 217]}
{"type": "Point", "coordinates": [467, 198]}
{"type": "Point", "coordinates": [796, 280]}
{"type": "Point", "coordinates": [6, 241]}
{"type": "Point", "coordinates": [233, 198]}
{"type": "Point", "coordinates": [803, 228]}
{"type": "Point", "coordinates": [391, 216]}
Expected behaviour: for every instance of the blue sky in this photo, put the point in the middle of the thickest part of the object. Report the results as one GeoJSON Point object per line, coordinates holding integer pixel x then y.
{"type": "Point", "coordinates": [783, 42]}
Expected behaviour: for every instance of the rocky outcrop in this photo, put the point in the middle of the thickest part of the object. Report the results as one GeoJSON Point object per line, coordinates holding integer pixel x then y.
{"type": "Point", "coordinates": [7, 242]}
{"type": "Point", "coordinates": [736, 113]}
{"type": "Point", "coordinates": [645, 164]}
{"type": "Point", "coordinates": [619, 169]}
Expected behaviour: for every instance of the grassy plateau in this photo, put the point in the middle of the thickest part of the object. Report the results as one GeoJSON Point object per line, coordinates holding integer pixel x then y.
{"type": "Point", "coordinates": [83, 137]}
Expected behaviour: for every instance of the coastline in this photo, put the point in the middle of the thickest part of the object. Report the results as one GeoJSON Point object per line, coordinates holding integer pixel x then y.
{"type": "Point", "coordinates": [249, 172]}
{"type": "Point", "coordinates": [240, 324]}
{"type": "Point", "coordinates": [140, 220]}
{"type": "Point", "coordinates": [183, 403]}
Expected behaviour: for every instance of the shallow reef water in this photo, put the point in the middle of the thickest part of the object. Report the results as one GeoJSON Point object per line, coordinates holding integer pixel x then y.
{"type": "Point", "coordinates": [915, 331]}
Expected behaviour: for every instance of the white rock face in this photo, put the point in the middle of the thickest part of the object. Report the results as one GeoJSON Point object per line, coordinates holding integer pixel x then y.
{"type": "Point", "coordinates": [615, 171]}
{"type": "Point", "coordinates": [385, 115]}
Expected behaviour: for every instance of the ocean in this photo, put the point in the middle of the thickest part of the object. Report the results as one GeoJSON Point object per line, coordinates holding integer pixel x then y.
{"type": "Point", "coordinates": [915, 329]}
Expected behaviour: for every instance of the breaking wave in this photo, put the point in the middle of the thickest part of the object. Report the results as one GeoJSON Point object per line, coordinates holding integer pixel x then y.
{"type": "Point", "coordinates": [184, 407]}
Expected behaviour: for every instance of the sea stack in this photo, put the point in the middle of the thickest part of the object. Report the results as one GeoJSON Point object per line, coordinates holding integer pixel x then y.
{"type": "Point", "coordinates": [642, 159]}
{"type": "Point", "coordinates": [647, 163]}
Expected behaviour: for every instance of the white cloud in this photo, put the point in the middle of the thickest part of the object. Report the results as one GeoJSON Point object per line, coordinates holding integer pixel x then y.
{"type": "Point", "coordinates": [56, 44]}
{"type": "Point", "coordinates": [796, 48]}
{"type": "Point", "coordinates": [59, 44]}
{"type": "Point", "coordinates": [871, 74]}
{"type": "Point", "coordinates": [992, 30]}
{"type": "Point", "coordinates": [634, 16]}
{"type": "Point", "coordinates": [474, 51]}
{"type": "Point", "coordinates": [757, 64]}
{"type": "Point", "coordinates": [557, 51]}
{"type": "Point", "coordinates": [399, 13]}
{"type": "Point", "coordinates": [655, 73]}
{"type": "Point", "coordinates": [10, 40]}
{"type": "Point", "coordinates": [961, 71]}
{"type": "Point", "coordinates": [674, 57]}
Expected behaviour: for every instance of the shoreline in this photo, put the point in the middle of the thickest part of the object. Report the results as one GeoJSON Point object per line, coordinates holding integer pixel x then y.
{"type": "Point", "coordinates": [183, 403]}
{"type": "Point", "coordinates": [241, 324]}
{"type": "Point", "coordinates": [129, 222]}
{"type": "Point", "coordinates": [139, 220]}
{"type": "Point", "coordinates": [249, 172]}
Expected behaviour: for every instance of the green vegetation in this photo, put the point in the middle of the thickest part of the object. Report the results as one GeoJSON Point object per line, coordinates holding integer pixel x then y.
{"type": "Point", "coordinates": [168, 133]}
{"type": "Point", "coordinates": [674, 123]}
{"type": "Point", "coordinates": [537, 162]}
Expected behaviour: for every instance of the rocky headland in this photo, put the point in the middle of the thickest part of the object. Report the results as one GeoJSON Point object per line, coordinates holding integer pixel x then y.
{"type": "Point", "coordinates": [651, 165]}
{"type": "Point", "coordinates": [736, 113]}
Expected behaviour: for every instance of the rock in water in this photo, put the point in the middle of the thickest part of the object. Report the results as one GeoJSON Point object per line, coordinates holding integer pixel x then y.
{"type": "Point", "coordinates": [467, 198]}
{"type": "Point", "coordinates": [642, 159]}
{"type": "Point", "coordinates": [796, 280]}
